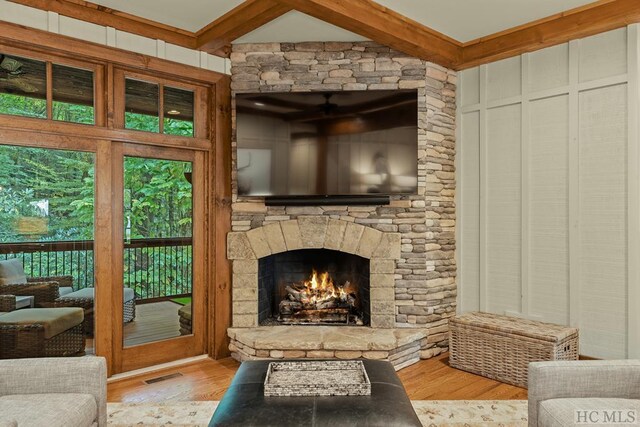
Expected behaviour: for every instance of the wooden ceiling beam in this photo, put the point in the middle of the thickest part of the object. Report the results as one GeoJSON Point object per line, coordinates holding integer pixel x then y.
{"type": "Point", "coordinates": [594, 18]}
{"type": "Point", "coordinates": [100, 15]}
{"type": "Point", "coordinates": [239, 21]}
{"type": "Point", "coordinates": [371, 20]}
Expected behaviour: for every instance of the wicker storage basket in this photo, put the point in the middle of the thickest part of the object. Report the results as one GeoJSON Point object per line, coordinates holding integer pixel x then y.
{"type": "Point", "coordinates": [501, 347]}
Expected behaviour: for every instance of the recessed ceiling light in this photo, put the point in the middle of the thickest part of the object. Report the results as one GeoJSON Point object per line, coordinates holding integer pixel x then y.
{"type": "Point", "coordinates": [173, 112]}
{"type": "Point", "coordinates": [258, 104]}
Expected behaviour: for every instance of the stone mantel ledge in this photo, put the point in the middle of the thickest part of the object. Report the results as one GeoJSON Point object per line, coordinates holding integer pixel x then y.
{"type": "Point", "coordinates": [314, 232]}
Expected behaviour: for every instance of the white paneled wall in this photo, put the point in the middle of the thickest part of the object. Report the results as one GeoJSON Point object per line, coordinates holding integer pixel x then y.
{"type": "Point", "coordinates": [548, 189]}
{"type": "Point", "coordinates": [50, 21]}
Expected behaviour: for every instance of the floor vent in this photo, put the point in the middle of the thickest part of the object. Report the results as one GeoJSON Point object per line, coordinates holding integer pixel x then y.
{"type": "Point", "coordinates": [162, 378]}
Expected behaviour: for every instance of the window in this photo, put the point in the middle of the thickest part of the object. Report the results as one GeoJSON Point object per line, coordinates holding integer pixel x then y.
{"type": "Point", "coordinates": [72, 95]}
{"type": "Point", "coordinates": [24, 90]}
{"type": "Point", "coordinates": [23, 87]}
{"type": "Point", "coordinates": [142, 106]}
{"type": "Point", "coordinates": [178, 112]}
{"type": "Point", "coordinates": [154, 107]}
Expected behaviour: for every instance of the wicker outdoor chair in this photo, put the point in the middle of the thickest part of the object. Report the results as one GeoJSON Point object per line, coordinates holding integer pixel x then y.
{"type": "Point", "coordinates": [45, 290]}
{"type": "Point", "coordinates": [85, 298]}
{"type": "Point", "coordinates": [44, 293]}
{"type": "Point", "coordinates": [7, 303]}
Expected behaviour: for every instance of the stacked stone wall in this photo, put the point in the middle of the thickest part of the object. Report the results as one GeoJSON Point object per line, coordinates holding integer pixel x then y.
{"type": "Point", "coordinates": [425, 271]}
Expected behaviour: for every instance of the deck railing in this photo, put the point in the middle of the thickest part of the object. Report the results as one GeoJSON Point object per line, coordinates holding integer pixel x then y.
{"type": "Point", "coordinates": [154, 268]}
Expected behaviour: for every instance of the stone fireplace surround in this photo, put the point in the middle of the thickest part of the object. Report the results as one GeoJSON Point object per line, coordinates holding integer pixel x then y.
{"type": "Point", "coordinates": [380, 341]}
{"type": "Point", "coordinates": [410, 242]}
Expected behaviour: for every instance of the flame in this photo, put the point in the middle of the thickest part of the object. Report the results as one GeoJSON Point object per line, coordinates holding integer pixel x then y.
{"type": "Point", "coordinates": [320, 288]}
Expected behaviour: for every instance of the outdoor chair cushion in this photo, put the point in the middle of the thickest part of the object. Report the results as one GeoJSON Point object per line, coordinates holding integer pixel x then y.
{"type": "Point", "coordinates": [88, 293]}
{"type": "Point", "coordinates": [562, 412]}
{"type": "Point", "coordinates": [65, 290]}
{"type": "Point", "coordinates": [185, 312]}
{"type": "Point", "coordinates": [51, 410]}
{"type": "Point", "coordinates": [54, 320]}
{"type": "Point", "coordinates": [12, 273]}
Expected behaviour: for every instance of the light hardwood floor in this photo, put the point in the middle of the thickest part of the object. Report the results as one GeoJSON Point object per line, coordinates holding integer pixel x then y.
{"type": "Point", "coordinates": [431, 379]}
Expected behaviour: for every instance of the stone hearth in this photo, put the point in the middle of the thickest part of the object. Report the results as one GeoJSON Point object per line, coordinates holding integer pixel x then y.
{"type": "Point", "coordinates": [401, 347]}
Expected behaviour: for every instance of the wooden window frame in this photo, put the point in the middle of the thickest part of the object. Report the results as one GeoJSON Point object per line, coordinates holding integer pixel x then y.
{"type": "Point", "coordinates": [200, 102]}
{"type": "Point", "coordinates": [49, 60]}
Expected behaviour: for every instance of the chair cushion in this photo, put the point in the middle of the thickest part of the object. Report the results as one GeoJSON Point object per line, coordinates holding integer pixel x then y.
{"type": "Point", "coordinates": [185, 312]}
{"type": "Point", "coordinates": [89, 293]}
{"type": "Point", "coordinates": [563, 412]}
{"type": "Point", "coordinates": [8, 423]}
{"type": "Point", "coordinates": [65, 290]}
{"type": "Point", "coordinates": [51, 410]}
{"type": "Point", "coordinates": [54, 320]}
{"type": "Point", "coordinates": [12, 273]}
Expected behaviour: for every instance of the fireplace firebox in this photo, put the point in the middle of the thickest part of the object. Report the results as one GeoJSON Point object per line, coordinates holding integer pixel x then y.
{"type": "Point", "coordinates": [313, 287]}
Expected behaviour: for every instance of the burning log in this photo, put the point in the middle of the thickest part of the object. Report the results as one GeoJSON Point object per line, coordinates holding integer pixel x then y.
{"type": "Point", "coordinates": [327, 305]}
{"type": "Point", "coordinates": [289, 307]}
{"type": "Point", "coordinates": [318, 300]}
{"type": "Point", "coordinates": [294, 294]}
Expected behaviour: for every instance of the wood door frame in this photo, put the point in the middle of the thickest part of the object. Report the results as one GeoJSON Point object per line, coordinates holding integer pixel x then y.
{"type": "Point", "coordinates": [105, 140]}
{"type": "Point", "coordinates": [153, 353]}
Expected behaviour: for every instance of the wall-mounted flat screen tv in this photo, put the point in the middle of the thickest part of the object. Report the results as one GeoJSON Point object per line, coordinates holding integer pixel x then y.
{"type": "Point", "coordinates": [327, 143]}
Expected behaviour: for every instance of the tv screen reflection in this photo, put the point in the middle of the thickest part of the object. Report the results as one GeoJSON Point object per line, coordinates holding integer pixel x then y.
{"type": "Point", "coordinates": [328, 143]}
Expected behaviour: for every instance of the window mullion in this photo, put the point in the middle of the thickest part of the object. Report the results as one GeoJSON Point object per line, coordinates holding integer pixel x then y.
{"type": "Point", "coordinates": [49, 90]}
{"type": "Point", "coordinates": [161, 107]}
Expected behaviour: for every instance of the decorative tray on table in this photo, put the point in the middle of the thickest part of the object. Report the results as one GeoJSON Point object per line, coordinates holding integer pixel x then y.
{"type": "Point", "coordinates": [317, 378]}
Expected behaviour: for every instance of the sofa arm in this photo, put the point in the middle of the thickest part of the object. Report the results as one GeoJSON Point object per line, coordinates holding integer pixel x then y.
{"type": "Point", "coordinates": [87, 375]}
{"type": "Point", "coordinates": [581, 378]}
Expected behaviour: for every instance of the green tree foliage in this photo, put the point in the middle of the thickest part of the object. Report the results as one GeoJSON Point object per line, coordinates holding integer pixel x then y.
{"type": "Point", "coordinates": [22, 106]}
{"type": "Point", "coordinates": [58, 186]}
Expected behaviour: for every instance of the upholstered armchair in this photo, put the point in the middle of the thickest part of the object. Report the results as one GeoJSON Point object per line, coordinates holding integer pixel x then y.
{"type": "Point", "coordinates": [62, 392]}
{"type": "Point", "coordinates": [561, 391]}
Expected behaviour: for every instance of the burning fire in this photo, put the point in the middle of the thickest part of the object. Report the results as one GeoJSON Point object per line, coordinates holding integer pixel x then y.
{"type": "Point", "coordinates": [320, 288]}
{"type": "Point", "coordinates": [319, 300]}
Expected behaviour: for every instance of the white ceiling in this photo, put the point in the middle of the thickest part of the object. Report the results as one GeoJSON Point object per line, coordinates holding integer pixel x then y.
{"type": "Point", "coordinates": [190, 15]}
{"type": "Point", "coordinates": [287, 27]}
{"type": "Point", "coordinates": [462, 20]}
{"type": "Point", "coordinates": [466, 20]}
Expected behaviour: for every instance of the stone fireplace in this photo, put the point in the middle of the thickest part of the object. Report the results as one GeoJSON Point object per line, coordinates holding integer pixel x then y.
{"type": "Point", "coordinates": [286, 250]}
{"type": "Point", "coordinates": [408, 245]}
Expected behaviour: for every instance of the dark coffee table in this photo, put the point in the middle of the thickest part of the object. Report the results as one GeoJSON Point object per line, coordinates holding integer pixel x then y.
{"type": "Point", "coordinates": [244, 403]}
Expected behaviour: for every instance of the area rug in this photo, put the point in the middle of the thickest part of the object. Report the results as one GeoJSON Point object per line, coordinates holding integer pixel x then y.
{"type": "Point", "coordinates": [432, 413]}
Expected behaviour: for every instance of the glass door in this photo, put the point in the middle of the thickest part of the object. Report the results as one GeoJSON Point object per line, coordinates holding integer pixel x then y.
{"type": "Point", "coordinates": [46, 250]}
{"type": "Point", "coordinates": [159, 295]}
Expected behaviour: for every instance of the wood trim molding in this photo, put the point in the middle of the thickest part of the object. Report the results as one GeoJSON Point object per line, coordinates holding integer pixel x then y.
{"type": "Point", "coordinates": [17, 36]}
{"type": "Point", "coordinates": [220, 287]}
{"type": "Point", "coordinates": [385, 26]}
{"type": "Point", "coordinates": [594, 18]}
{"type": "Point", "coordinates": [216, 37]}
{"type": "Point", "coordinates": [100, 15]}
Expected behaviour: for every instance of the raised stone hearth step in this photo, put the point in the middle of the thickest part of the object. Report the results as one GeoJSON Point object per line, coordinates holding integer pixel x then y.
{"type": "Point", "coordinates": [402, 346]}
